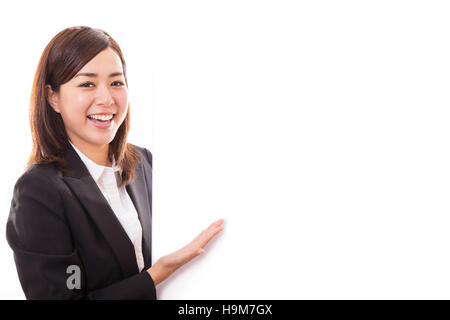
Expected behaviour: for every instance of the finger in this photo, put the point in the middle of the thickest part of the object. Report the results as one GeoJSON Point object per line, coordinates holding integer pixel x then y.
{"type": "Point", "coordinates": [205, 232]}
{"type": "Point", "coordinates": [216, 223]}
{"type": "Point", "coordinates": [195, 248]}
{"type": "Point", "coordinates": [203, 238]}
{"type": "Point", "coordinates": [213, 226]}
{"type": "Point", "coordinates": [207, 237]}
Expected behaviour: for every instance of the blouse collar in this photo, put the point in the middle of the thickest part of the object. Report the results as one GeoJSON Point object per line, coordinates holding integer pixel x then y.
{"type": "Point", "coordinates": [94, 169]}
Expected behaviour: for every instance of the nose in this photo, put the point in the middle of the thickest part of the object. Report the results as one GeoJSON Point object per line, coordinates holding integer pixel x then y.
{"type": "Point", "coordinates": [103, 96]}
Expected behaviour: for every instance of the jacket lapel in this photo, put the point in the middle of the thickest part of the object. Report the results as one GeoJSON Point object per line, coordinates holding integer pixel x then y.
{"type": "Point", "coordinates": [139, 194]}
{"type": "Point", "coordinates": [84, 187]}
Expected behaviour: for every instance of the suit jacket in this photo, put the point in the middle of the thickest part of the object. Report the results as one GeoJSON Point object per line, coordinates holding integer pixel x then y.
{"type": "Point", "coordinates": [59, 223]}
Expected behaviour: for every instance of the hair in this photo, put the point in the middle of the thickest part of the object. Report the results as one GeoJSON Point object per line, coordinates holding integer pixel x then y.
{"type": "Point", "coordinates": [63, 57]}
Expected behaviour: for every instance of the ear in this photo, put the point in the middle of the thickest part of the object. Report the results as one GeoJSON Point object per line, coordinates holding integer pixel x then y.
{"type": "Point", "coordinates": [52, 98]}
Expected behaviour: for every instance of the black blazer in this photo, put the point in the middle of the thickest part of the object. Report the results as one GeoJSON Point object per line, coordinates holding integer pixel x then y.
{"type": "Point", "coordinates": [57, 220]}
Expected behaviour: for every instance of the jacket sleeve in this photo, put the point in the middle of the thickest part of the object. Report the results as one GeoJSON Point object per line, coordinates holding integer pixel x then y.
{"type": "Point", "coordinates": [40, 237]}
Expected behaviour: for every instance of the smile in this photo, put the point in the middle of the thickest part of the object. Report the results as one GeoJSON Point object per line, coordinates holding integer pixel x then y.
{"type": "Point", "coordinates": [101, 117]}
{"type": "Point", "coordinates": [101, 121]}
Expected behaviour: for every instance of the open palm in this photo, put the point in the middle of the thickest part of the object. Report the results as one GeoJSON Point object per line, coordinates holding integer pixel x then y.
{"type": "Point", "coordinates": [166, 265]}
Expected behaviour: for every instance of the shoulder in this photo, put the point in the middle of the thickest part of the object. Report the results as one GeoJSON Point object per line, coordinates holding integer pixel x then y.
{"type": "Point", "coordinates": [144, 153]}
{"type": "Point", "coordinates": [38, 189]}
{"type": "Point", "coordinates": [40, 183]}
{"type": "Point", "coordinates": [37, 213]}
{"type": "Point", "coordinates": [39, 175]}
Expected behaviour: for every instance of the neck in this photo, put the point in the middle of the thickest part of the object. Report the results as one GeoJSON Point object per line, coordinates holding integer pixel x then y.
{"type": "Point", "coordinates": [97, 153]}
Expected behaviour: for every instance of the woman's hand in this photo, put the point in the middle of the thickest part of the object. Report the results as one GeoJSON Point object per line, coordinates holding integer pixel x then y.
{"type": "Point", "coordinates": [166, 265]}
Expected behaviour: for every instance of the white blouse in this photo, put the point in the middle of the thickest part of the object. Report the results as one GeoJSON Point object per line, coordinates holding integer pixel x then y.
{"type": "Point", "coordinates": [108, 179]}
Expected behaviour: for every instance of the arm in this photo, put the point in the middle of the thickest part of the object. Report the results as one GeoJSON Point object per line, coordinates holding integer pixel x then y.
{"type": "Point", "coordinates": [40, 238]}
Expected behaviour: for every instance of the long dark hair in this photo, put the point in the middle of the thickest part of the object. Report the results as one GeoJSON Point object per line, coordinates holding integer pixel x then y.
{"type": "Point", "coordinates": [63, 57]}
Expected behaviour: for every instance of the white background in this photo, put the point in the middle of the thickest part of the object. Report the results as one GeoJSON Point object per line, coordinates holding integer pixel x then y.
{"type": "Point", "coordinates": [319, 130]}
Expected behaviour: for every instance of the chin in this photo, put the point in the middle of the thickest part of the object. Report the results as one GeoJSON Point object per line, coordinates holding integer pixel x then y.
{"type": "Point", "coordinates": [101, 141]}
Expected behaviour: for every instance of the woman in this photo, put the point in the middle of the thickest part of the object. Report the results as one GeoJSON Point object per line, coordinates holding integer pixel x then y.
{"type": "Point", "coordinates": [80, 219]}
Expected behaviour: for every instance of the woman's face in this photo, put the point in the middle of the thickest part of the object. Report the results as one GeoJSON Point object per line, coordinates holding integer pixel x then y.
{"type": "Point", "coordinates": [99, 91]}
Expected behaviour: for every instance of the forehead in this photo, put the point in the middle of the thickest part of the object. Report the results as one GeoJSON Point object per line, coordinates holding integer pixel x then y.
{"type": "Point", "coordinates": [106, 61]}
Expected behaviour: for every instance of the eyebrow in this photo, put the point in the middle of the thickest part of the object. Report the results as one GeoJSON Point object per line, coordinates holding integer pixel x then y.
{"type": "Point", "coordinates": [90, 74]}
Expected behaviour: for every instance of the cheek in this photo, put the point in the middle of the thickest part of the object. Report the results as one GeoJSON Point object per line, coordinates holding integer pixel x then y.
{"type": "Point", "coordinates": [76, 107]}
{"type": "Point", "coordinates": [82, 100]}
{"type": "Point", "coordinates": [121, 99]}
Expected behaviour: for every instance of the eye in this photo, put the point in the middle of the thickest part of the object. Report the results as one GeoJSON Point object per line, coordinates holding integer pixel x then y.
{"type": "Point", "coordinates": [117, 84]}
{"type": "Point", "coordinates": [86, 84]}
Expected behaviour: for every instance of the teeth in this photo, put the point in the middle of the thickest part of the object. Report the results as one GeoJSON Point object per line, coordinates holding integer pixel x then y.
{"type": "Point", "coordinates": [101, 117]}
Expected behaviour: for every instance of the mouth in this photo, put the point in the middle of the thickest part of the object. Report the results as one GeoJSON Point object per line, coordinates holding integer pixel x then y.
{"type": "Point", "coordinates": [102, 117]}
{"type": "Point", "coordinates": [101, 120]}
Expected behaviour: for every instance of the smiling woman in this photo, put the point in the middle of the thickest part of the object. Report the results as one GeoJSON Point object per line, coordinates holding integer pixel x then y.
{"type": "Point", "coordinates": [84, 204]}
{"type": "Point", "coordinates": [102, 120]}
{"type": "Point", "coordinates": [93, 104]}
